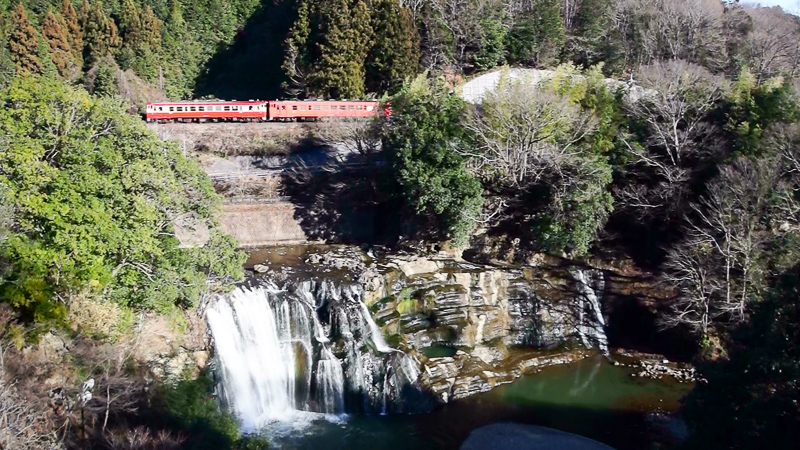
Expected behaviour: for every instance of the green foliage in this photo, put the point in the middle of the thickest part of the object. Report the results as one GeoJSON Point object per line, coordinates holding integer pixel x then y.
{"type": "Point", "coordinates": [343, 48]}
{"type": "Point", "coordinates": [104, 81]}
{"type": "Point", "coordinates": [95, 194]}
{"type": "Point", "coordinates": [753, 107]}
{"type": "Point", "coordinates": [192, 408]}
{"type": "Point", "coordinates": [421, 141]}
{"type": "Point", "coordinates": [395, 53]}
{"type": "Point", "coordinates": [750, 400]}
{"type": "Point", "coordinates": [100, 34]}
{"type": "Point", "coordinates": [576, 211]}
{"type": "Point", "coordinates": [537, 37]}
{"type": "Point", "coordinates": [491, 51]}
{"type": "Point", "coordinates": [343, 44]}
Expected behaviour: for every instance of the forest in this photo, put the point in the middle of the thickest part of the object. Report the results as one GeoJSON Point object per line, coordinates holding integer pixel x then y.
{"type": "Point", "coordinates": [668, 135]}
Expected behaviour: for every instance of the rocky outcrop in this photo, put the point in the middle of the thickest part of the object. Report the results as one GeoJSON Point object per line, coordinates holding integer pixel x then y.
{"type": "Point", "coordinates": [490, 323]}
{"type": "Point", "coordinates": [462, 375]}
{"type": "Point", "coordinates": [513, 436]}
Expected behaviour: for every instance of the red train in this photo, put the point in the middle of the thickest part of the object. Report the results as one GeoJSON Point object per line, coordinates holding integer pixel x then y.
{"type": "Point", "coordinates": [275, 110]}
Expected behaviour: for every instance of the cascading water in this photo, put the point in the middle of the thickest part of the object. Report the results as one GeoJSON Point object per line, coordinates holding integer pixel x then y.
{"type": "Point", "coordinates": [375, 333]}
{"type": "Point", "coordinates": [590, 324]}
{"type": "Point", "coordinates": [303, 347]}
{"type": "Point", "coordinates": [257, 382]}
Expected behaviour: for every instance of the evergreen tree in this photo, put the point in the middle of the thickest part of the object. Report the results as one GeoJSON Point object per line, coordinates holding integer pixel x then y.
{"type": "Point", "coordinates": [151, 29]}
{"type": "Point", "coordinates": [343, 49]}
{"type": "Point", "coordinates": [100, 34]}
{"type": "Point", "coordinates": [130, 24]}
{"type": "Point", "coordinates": [84, 12]}
{"type": "Point", "coordinates": [23, 42]}
{"type": "Point", "coordinates": [421, 143]}
{"type": "Point", "coordinates": [395, 52]}
{"type": "Point", "coordinates": [298, 59]}
{"type": "Point", "coordinates": [538, 37]}
{"type": "Point", "coordinates": [72, 29]}
{"type": "Point", "coordinates": [491, 52]}
{"type": "Point", "coordinates": [60, 50]}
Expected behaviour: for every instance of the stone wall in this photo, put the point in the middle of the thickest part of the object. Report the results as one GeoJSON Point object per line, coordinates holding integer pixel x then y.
{"type": "Point", "coordinates": [261, 224]}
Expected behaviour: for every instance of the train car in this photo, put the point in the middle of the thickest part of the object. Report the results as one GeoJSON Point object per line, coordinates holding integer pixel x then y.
{"type": "Point", "coordinates": [207, 110]}
{"type": "Point", "coordinates": [316, 109]}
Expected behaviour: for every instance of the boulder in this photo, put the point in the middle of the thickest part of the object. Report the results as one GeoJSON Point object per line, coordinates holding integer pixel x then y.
{"type": "Point", "coordinates": [514, 436]}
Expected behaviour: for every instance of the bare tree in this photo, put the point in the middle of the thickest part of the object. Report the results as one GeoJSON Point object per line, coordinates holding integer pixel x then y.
{"type": "Point", "coordinates": [570, 10]}
{"type": "Point", "coordinates": [687, 270]}
{"type": "Point", "coordinates": [718, 270]}
{"type": "Point", "coordinates": [773, 46]}
{"type": "Point", "coordinates": [23, 424]}
{"type": "Point", "coordinates": [677, 99]}
{"type": "Point", "coordinates": [523, 131]}
{"type": "Point", "coordinates": [462, 21]}
{"type": "Point", "coordinates": [670, 29]}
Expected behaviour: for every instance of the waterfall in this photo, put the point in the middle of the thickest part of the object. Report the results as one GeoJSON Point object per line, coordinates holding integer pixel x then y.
{"type": "Point", "coordinates": [591, 325]}
{"type": "Point", "coordinates": [330, 379]}
{"type": "Point", "coordinates": [257, 382]}
{"type": "Point", "coordinates": [280, 352]}
{"type": "Point", "coordinates": [375, 333]}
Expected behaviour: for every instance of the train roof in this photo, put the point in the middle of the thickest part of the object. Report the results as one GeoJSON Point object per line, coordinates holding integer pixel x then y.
{"type": "Point", "coordinates": [247, 102]}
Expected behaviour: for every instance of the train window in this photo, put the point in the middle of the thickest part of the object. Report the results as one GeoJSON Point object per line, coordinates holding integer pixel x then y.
{"type": "Point", "coordinates": [227, 108]}
{"type": "Point", "coordinates": [343, 107]}
{"type": "Point", "coordinates": [324, 108]}
{"type": "Point", "coordinates": [234, 108]}
{"type": "Point", "coordinates": [193, 108]}
{"type": "Point", "coordinates": [369, 108]}
{"type": "Point", "coordinates": [180, 108]}
{"type": "Point", "coordinates": [201, 108]}
{"type": "Point", "coordinates": [160, 108]}
{"type": "Point", "coordinates": [294, 108]}
{"type": "Point", "coordinates": [251, 107]}
{"type": "Point", "coordinates": [316, 108]}
{"type": "Point", "coordinates": [351, 108]}
{"type": "Point", "coordinates": [358, 107]}
{"type": "Point", "coordinates": [219, 108]}
{"type": "Point", "coordinates": [171, 108]}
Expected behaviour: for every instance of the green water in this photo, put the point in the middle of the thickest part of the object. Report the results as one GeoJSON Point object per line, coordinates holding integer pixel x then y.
{"type": "Point", "coordinates": [592, 398]}
{"type": "Point", "coordinates": [438, 351]}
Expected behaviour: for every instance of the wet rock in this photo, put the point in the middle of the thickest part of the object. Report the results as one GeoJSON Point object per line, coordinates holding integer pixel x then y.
{"type": "Point", "coordinates": [260, 268]}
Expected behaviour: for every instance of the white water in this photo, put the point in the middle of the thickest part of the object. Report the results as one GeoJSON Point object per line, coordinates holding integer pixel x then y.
{"type": "Point", "coordinates": [591, 328]}
{"type": "Point", "coordinates": [375, 333]}
{"type": "Point", "coordinates": [275, 363]}
{"type": "Point", "coordinates": [256, 384]}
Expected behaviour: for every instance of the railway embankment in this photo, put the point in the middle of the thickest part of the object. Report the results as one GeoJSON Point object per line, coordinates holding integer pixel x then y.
{"type": "Point", "coordinates": [282, 183]}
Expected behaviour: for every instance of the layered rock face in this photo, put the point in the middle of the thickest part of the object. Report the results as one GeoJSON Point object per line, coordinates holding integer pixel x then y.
{"type": "Point", "coordinates": [499, 322]}
{"type": "Point", "coordinates": [466, 327]}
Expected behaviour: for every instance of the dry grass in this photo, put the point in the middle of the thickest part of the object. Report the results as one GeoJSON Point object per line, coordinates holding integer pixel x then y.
{"type": "Point", "coordinates": [99, 319]}
{"type": "Point", "coordinates": [234, 139]}
{"type": "Point", "coordinates": [261, 188]}
{"type": "Point", "coordinates": [40, 383]}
